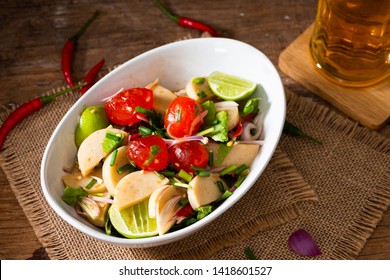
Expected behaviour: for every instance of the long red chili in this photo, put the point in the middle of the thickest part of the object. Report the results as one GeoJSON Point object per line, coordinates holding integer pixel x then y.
{"type": "Point", "coordinates": [91, 76]}
{"type": "Point", "coordinates": [27, 109]}
{"type": "Point", "coordinates": [68, 50]}
{"type": "Point", "coordinates": [187, 22]}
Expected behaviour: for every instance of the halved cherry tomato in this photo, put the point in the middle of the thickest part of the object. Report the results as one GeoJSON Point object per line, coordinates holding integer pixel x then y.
{"type": "Point", "coordinates": [120, 109]}
{"type": "Point", "coordinates": [187, 154]}
{"type": "Point", "coordinates": [183, 117]}
{"type": "Point", "coordinates": [148, 153]}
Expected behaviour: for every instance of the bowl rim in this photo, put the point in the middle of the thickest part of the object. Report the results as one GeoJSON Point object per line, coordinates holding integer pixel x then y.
{"type": "Point", "coordinates": [179, 234]}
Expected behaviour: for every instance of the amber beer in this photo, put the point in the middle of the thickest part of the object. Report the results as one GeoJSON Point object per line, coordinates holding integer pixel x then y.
{"type": "Point", "coordinates": [351, 41]}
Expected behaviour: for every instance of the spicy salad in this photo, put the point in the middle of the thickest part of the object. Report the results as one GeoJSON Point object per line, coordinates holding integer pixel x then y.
{"type": "Point", "coordinates": [151, 160]}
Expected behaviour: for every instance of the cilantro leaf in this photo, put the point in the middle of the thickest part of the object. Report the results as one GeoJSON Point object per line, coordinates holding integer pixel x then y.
{"type": "Point", "coordinates": [251, 107]}
{"type": "Point", "coordinates": [73, 195]}
{"type": "Point", "coordinates": [220, 133]}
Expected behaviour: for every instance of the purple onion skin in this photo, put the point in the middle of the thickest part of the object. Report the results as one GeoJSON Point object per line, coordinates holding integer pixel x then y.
{"type": "Point", "coordinates": [303, 244]}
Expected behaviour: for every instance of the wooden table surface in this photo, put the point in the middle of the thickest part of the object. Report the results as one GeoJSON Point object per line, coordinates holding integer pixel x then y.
{"type": "Point", "coordinates": [33, 32]}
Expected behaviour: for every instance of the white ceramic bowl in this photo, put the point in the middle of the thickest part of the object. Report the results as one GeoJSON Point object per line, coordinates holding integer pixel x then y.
{"type": "Point", "coordinates": [174, 64]}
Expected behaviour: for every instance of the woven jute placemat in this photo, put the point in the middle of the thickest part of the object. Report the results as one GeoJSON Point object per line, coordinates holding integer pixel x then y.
{"type": "Point", "coordinates": [337, 191]}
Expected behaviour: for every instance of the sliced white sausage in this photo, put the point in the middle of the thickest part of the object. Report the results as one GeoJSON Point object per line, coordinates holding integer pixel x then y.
{"type": "Point", "coordinates": [160, 196]}
{"type": "Point", "coordinates": [233, 113]}
{"type": "Point", "coordinates": [91, 150]}
{"type": "Point", "coordinates": [110, 175]}
{"type": "Point", "coordinates": [204, 190]}
{"type": "Point", "coordinates": [161, 97]}
{"type": "Point", "coordinates": [238, 155]}
{"type": "Point", "coordinates": [76, 179]}
{"type": "Point", "coordinates": [200, 91]}
{"type": "Point", "coordinates": [136, 187]}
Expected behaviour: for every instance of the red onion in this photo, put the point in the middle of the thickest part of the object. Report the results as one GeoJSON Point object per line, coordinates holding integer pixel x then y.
{"type": "Point", "coordinates": [247, 127]}
{"type": "Point", "coordinates": [198, 119]}
{"type": "Point", "coordinates": [303, 244]}
{"type": "Point", "coordinates": [142, 118]}
{"type": "Point", "coordinates": [170, 142]}
{"type": "Point", "coordinates": [109, 97]}
{"type": "Point", "coordinates": [101, 199]}
{"type": "Point", "coordinates": [90, 207]}
{"type": "Point", "coordinates": [254, 142]}
{"type": "Point", "coordinates": [224, 104]}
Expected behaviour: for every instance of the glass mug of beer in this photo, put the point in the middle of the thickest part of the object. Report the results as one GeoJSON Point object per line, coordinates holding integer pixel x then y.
{"type": "Point", "coordinates": [350, 44]}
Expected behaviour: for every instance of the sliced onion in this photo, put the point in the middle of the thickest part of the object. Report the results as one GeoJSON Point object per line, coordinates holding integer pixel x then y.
{"type": "Point", "coordinates": [198, 119]}
{"type": "Point", "coordinates": [98, 180]}
{"type": "Point", "coordinates": [79, 211]}
{"type": "Point", "coordinates": [217, 169]}
{"type": "Point", "coordinates": [254, 142]}
{"type": "Point", "coordinates": [110, 97]}
{"type": "Point", "coordinates": [225, 104]}
{"type": "Point", "coordinates": [247, 127]}
{"type": "Point", "coordinates": [90, 207]}
{"type": "Point", "coordinates": [303, 244]}
{"type": "Point", "coordinates": [101, 199]}
{"type": "Point", "coordinates": [142, 118]}
{"type": "Point", "coordinates": [170, 142]}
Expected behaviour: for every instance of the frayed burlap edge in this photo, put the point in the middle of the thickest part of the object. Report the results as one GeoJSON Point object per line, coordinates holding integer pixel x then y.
{"type": "Point", "coordinates": [299, 191]}
{"type": "Point", "coordinates": [365, 221]}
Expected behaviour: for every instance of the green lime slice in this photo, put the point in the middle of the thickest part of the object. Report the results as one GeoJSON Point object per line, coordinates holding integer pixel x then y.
{"type": "Point", "coordinates": [229, 87]}
{"type": "Point", "coordinates": [93, 118]}
{"type": "Point", "coordinates": [134, 221]}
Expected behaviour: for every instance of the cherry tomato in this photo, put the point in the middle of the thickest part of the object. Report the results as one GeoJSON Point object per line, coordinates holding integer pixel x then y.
{"type": "Point", "coordinates": [187, 154]}
{"type": "Point", "coordinates": [183, 117]}
{"type": "Point", "coordinates": [120, 109]}
{"type": "Point", "coordinates": [148, 153]}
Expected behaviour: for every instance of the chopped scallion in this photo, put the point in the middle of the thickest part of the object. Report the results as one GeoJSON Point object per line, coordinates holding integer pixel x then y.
{"type": "Point", "coordinates": [227, 170]}
{"type": "Point", "coordinates": [211, 158]}
{"type": "Point", "coordinates": [113, 158]}
{"type": "Point", "coordinates": [201, 94]}
{"type": "Point", "coordinates": [198, 80]}
{"type": "Point", "coordinates": [176, 182]}
{"type": "Point", "coordinates": [205, 131]}
{"type": "Point", "coordinates": [160, 176]}
{"type": "Point", "coordinates": [239, 169]}
{"type": "Point", "coordinates": [220, 186]}
{"type": "Point", "coordinates": [124, 168]}
{"type": "Point", "coordinates": [143, 110]}
{"type": "Point", "coordinates": [91, 183]}
{"type": "Point", "coordinates": [144, 131]}
{"type": "Point", "coordinates": [167, 173]}
{"type": "Point", "coordinates": [185, 175]}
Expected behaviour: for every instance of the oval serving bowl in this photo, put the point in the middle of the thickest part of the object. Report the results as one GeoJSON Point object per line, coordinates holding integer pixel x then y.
{"type": "Point", "coordinates": [174, 65]}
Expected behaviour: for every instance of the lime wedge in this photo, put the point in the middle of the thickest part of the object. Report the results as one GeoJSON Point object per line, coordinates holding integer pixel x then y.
{"type": "Point", "coordinates": [134, 221]}
{"type": "Point", "coordinates": [229, 87]}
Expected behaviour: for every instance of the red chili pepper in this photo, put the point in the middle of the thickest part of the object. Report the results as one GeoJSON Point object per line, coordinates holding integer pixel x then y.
{"type": "Point", "coordinates": [187, 22]}
{"type": "Point", "coordinates": [238, 130]}
{"type": "Point", "coordinates": [91, 77]}
{"type": "Point", "coordinates": [26, 109]}
{"type": "Point", "coordinates": [68, 50]}
{"type": "Point", "coordinates": [185, 212]}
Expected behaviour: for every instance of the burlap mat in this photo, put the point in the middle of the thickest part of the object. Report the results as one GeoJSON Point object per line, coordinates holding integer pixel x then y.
{"type": "Point", "coordinates": [343, 196]}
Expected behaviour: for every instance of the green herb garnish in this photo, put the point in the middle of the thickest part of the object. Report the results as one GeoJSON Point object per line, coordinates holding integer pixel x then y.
{"type": "Point", "coordinates": [185, 175]}
{"type": "Point", "coordinates": [201, 94]}
{"type": "Point", "coordinates": [124, 168]}
{"type": "Point", "coordinates": [91, 183]}
{"type": "Point", "coordinates": [73, 195]}
{"type": "Point", "coordinates": [199, 80]}
{"type": "Point", "coordinates": [112, 141]}
{"type": "Point", "coordinates": [113, 157]}
{"type": "Point", "coordinates": [249, 253]}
